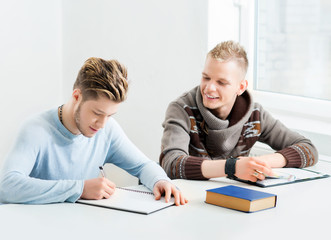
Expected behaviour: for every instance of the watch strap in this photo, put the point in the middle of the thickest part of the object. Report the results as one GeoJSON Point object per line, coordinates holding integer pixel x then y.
{"type": "Point", "coordinates": [230, 167]}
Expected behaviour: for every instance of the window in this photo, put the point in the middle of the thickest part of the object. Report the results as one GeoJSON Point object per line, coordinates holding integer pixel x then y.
{"type": "Point", "coordinates": [290, 60]}
{"type": "Point", "coordinates": [294, 47]}
{"type": "Point", "coordinates": [292, 64]}
{"type": "Point", "coordinates": [288, 43]}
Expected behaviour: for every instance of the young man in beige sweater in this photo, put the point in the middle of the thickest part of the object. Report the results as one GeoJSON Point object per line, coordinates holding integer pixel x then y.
{"type": "Point", "coordinates": [210, 130]}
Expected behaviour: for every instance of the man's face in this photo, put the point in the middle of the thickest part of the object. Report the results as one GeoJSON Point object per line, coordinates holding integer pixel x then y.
{"type": "Point", "coordinates": [220, 84]}
{"type": "Point", "coordinates": [92, 115]}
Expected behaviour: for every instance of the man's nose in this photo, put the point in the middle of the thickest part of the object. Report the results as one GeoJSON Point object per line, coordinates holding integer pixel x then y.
{"type": "Point", "coordinates": [211, 86]}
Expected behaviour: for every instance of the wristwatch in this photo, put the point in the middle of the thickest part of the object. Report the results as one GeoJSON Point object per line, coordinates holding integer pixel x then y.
{"type": "Point", "coordinates": [230, 167]}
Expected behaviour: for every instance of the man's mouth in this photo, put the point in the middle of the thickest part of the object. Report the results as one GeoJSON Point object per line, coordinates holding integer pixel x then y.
{"type": "Point", "coordinates": [210, 97]}
{"type": "Point", "coordinates": [93, 129]}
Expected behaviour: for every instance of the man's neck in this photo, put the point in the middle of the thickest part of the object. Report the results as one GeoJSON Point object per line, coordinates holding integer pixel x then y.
{"type": "Point", "coordinates": [68, 118]}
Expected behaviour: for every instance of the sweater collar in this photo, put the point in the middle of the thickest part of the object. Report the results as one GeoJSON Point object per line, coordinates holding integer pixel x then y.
{"type": "Point", "coordinates": [240, 109]}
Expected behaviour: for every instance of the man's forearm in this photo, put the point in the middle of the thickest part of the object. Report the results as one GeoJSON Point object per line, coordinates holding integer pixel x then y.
{"type": "Point", "coordinates": [17, 188]}
{"type": "Point", "coordinates": [213, 168]}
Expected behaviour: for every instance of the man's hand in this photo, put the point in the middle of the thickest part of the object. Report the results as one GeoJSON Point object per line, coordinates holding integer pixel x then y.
{"type": "Point", "coordinates": [252, 169]}
{"type": "Point", "coordinates": [168, 188]}
{"type": "Point", "coordinates": [98, 188]}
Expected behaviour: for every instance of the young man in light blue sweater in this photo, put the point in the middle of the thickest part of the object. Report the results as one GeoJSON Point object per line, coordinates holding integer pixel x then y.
{"type": "Point", "coordinates": [57, 154]}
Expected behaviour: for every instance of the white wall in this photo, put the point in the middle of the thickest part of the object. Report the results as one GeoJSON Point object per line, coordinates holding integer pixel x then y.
{"type": "Point", "coordinates": [44, 43]}
{"type": "Point", "coordinates": [223, 21]}
{"type": "Point", "coordinates": [163, 44]}
{"type": "Point", "coordinates": [30, 62]}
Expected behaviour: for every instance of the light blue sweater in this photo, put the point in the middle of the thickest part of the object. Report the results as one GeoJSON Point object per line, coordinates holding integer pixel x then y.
{"type": "Point", "coordinates": [49, 164]}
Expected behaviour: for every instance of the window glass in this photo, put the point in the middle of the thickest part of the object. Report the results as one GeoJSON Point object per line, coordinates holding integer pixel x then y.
{"type": "Point", "coordinates": [293, 47]}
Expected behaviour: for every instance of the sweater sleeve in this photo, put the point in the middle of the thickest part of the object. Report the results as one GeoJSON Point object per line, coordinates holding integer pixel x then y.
{"type": "Point", "coordinates": [298, 151]}
{"type": "Point", "coordinates": [16, 186]}
{"type": "Point", "coordinates": [175, 158]}
{"type": "Point", "coordinates": [124, 154]}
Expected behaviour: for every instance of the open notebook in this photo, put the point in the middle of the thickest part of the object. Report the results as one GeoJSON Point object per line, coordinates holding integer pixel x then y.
{"type": "Point", "coordinates": [131, 200]}
{"type": "Point", "coordinates": [288, 175]}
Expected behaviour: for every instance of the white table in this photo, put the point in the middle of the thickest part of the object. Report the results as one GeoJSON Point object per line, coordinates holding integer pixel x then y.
{"type": "Point", "coordinates": [303, 211]}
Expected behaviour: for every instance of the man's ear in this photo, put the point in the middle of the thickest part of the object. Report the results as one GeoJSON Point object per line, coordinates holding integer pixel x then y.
{"type": "Point", "coordinates": [77, 95]}
{"type": "Point", "coordinates": [242, 87]}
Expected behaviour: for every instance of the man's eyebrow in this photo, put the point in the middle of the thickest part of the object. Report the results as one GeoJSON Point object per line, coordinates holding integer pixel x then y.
{"type": "Point", "coordinates": [219, 79]}
{"type": "Point", "coordinates": [222, 79]}
{"type": "Point", "coordinates": [99, 111]}
{"type": "Point", "coordinates": [102, 112]}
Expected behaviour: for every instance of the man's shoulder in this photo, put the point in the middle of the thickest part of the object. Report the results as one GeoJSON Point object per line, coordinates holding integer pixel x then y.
{"type": "Point", "coordinates": [39, 123]}
{"type": "Point", "coordinates": [257, 113]}
{"type": "Point", "coordinates": [185, 106]}
{"type": "Point", "coordinates": [257, 106]}
{"type": "Point", "coordinates": [41, 118]}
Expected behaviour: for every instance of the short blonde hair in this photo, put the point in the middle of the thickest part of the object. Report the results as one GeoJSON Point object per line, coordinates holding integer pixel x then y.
{"type": "Point", "coordinates": [230, 51]}
{"type": "Point", "coordinates": [99, 77]}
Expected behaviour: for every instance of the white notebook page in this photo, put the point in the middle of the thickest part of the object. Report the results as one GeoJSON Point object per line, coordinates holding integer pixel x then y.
{"type": "Point", "coordinates": [290, 175]}
{"type": "Point", "coordinates": [131, 200]}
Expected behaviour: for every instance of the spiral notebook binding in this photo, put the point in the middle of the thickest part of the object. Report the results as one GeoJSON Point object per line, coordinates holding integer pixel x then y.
{"type": "Point", "coordinates": [135, 190]}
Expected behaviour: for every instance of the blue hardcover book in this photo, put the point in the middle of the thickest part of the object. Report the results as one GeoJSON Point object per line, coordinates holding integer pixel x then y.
{"type": "Point", "coordinates": [239, 198]}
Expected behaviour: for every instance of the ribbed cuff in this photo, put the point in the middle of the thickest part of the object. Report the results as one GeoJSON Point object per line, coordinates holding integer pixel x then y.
{"type": "Point", "coordinates": [292, 157]}
{"type": "Point", "coordinates": [193, 168]}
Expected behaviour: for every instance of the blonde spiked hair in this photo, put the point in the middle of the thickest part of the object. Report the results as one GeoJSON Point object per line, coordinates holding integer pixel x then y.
{"type": "Point", "coordinates": [230, 51]}
{"type": "Point", "coordinates": [99, 77]}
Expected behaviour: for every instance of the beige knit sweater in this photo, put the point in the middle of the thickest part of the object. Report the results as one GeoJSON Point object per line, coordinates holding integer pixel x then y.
{"type": "Point", "coordinates": [193, 134]}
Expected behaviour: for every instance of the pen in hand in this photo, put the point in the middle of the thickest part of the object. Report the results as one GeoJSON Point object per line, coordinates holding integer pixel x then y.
{"type": "Point", "coordinates": [278, 175]}
{"type": "Point", "coordinates": [102, 172]}
{"type": "Point", "coordinates": [110, 186]}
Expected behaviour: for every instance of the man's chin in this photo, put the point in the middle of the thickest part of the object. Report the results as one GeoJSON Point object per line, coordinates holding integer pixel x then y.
{"type": "Point", "coordinates": [88, 135]}
{"type": "Point", "coordinates": [209, 106]}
